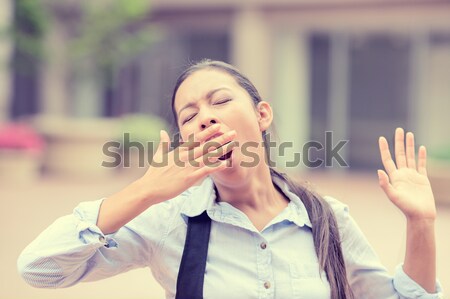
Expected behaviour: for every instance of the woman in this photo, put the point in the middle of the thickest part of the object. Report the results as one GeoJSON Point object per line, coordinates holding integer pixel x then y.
{"type": "Point", "coordinates": [247, 231]}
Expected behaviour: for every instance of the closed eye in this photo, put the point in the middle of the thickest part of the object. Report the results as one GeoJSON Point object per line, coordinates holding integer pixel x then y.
{"type": "Point", "coordinates": [222, 101]}
{"type": "Point", "coordinates": [193, 115]}
{"type": "Point", "coordinates": [188, 118]}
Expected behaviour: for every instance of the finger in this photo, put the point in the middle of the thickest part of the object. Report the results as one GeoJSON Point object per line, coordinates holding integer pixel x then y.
{"type": "Point", "coordinates": [207, 169]}
{"type": "Point", "coordinates": [410, 151]}
{"type": "Point", "coordinates": [164, 143]}
{"type": "Point", "coordinates": [163, 148]}
{"type": "Point", "coordinates": [216, 154]}
{"type": "Point", "coordinates": [400, 157]}
{"type": "Point", "coordinates": [213, 145]}
{"type": "Point", "coordinates": [422, 161]}
{"type": "Point", "coordinates": [195, 139]}
{"type": "Point", "coordinates": [213, 157]}
{"type": "Point", "coordinates": [386, 158]}
{"type": "Point", "coordinates": [383, 180]}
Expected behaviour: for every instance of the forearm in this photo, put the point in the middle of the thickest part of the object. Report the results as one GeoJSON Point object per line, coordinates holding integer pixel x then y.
{"type": "Point", "coordinates": [70, 250]}
{"type": "Point", "coordinates": [122, 207]}
{"type": "Point", "coordinates": [420, 257]}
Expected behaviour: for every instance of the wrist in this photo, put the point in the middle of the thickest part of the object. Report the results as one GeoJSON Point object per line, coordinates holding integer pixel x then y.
{"type": "Point", "coordinates": [425, 216]}
{"type": "Point", "coordinates": [421, 222]}
{"type": "Point", "coordinates": [140, 189]}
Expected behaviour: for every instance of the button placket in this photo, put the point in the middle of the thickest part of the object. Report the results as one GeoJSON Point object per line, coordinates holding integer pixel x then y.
{"type": "Point", "coordinates": [263, 245]}
{"type": "Point", "coordinates": [265, 271]}
{"type": "Point", "coordinates": [264, 254]}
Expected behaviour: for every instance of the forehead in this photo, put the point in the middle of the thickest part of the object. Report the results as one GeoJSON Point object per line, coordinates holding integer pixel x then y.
{"type": "Point", "coordinates": [201, 82]}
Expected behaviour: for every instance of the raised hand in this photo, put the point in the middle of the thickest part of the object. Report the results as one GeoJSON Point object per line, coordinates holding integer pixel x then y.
{"type": "Point", "coordinates": [172, 172]}
{"type": "Point", "coordinates": [405, 182]}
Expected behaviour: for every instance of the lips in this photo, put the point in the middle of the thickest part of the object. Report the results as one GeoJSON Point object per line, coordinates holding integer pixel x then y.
{"type": "Point", "coordinates": [226, 156]}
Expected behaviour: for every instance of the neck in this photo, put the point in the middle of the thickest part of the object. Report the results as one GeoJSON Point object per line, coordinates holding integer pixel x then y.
{"type": "Point", "coordinates": [255, 192]}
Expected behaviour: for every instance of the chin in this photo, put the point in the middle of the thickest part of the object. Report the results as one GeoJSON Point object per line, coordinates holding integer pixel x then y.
{"type": "Point", "coordinates": [233, 175]}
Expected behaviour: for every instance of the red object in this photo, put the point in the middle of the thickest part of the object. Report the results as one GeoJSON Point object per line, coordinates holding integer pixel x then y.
{"type": "Point", "coordinates": [20, 136]}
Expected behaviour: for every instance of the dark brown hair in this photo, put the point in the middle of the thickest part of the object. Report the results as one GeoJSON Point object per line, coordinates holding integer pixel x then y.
{"type": "Point", "coordinates": [324, 226]}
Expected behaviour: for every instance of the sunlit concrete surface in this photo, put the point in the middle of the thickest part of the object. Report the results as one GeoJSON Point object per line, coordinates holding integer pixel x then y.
{"type": "Point", "coordinates": [27, 209]}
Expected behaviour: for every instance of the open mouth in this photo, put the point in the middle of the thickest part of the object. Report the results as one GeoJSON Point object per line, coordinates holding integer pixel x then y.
{"type": "Point", "coordinates": [226, 156]}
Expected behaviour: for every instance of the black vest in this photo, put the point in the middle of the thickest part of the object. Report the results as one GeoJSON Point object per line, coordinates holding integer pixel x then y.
{"type": "Point", "coordinates": [193, 262]}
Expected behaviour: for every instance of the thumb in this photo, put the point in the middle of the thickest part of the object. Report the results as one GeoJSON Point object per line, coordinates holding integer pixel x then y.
{"type": "Point", "coordinates": [164, 142]}
{"type": "Point", "coordinates": [383, 179]}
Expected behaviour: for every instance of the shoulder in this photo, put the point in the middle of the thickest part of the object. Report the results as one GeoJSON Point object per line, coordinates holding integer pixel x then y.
{"type": "Point", "coordinates": [341, 211]}
{"type": "Point", "coordinates": [161, 217]}
{"type": "Point", "coordinates": [168, 208]}
{"type": "Point", "coordinates": [337, 205]}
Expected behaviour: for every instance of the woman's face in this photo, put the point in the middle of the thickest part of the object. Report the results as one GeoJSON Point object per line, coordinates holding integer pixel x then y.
{"type": "Point", "coordinates": [213, 96]}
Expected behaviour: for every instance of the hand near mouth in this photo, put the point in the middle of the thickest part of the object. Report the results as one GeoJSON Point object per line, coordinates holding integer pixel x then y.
{"type": "Point", "coordinates": [172, 172]}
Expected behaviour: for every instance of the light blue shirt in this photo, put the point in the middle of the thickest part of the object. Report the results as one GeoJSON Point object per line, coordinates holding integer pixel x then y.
{"type": "Point", "coordinates": [277, 262]}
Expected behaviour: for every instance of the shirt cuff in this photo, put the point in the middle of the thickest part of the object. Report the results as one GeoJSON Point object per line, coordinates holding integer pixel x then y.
{"type": "Point", "coordinates": [87, 215]}
{"type": "Point", "coordinates": [410, 289]}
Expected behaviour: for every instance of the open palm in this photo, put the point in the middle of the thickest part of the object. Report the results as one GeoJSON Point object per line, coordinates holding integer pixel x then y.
{"type": "Point", "coordinates": [406, 183]}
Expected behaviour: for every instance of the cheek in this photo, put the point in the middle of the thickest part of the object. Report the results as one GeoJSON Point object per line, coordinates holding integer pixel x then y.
{"type": "Point", "coordinates": [241, 114]}
{"type": "Point", "coordinates": [246, 125]}
{"type": "Point", "coordinates": [184, 134]}
{"type": "Point", "coordinates": [188, 129]}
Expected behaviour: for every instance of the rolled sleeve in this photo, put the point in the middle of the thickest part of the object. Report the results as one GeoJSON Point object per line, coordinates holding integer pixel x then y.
{"type": "Point", "coordinates": [408, 288]}
{"type": "Point", "coordinates": [73, 249]}
{"type": "Point", "coordinates": [88, 231]}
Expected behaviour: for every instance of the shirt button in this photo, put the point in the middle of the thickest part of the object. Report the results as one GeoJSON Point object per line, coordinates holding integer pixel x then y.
{"type": "Point", "coordinates": [263, 245]}
{"type": "Point", "coordinates": [101, 239]}
{"type": "Point", "coordinates": [267, 284]}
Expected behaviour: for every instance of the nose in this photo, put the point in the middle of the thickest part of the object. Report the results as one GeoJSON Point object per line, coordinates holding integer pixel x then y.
{"type": "Point", "coordinates": [208, 122]}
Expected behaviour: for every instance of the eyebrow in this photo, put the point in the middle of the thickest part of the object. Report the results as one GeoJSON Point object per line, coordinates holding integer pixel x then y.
{"type": "Point", "coordinates": [208, 96]}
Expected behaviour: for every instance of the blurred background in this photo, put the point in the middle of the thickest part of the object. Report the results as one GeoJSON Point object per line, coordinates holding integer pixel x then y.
{"type": "Point", "coordinates": [76, 74]}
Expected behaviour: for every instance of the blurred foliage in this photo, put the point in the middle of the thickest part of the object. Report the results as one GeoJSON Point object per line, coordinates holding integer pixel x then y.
{"type": "Point", "coordinates": [29, 27]}
{"type": "Point", "coordinates": [105, 32]}
{"type": "Point", "coordinates": [142, 127]}
{"type": "Point", "coordinates": [111, 32]}
{"type": "Point", "coordinates": [26, 33]}
{"type": "Point", "coordinates": [441, 153]}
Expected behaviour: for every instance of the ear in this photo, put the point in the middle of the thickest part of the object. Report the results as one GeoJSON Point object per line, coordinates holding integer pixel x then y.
{"type": "Point", "coordinates": [264, 115]}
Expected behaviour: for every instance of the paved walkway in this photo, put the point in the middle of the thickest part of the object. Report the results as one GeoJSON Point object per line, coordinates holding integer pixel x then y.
{"type": "Point", "coordinates": [27, 209]}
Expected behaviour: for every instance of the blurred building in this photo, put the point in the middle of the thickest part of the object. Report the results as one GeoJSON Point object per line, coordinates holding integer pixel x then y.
{"type": "Point", "coordinates": [357, 68]}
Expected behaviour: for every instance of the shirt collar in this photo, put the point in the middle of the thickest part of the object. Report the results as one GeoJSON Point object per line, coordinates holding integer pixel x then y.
{"type": "Point", "coordinates": [203, 197]}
